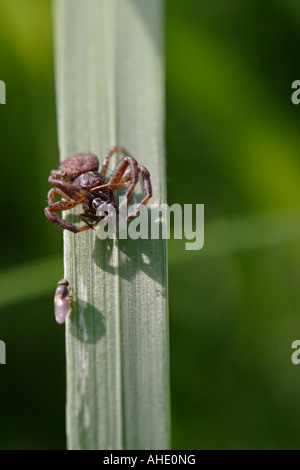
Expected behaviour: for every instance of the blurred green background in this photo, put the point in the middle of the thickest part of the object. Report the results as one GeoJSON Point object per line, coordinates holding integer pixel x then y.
{"type": "Point", "coordinates": [233, 142]}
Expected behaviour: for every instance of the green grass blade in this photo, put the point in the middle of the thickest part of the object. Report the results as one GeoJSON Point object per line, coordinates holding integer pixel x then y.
{"type": "Point", "coordinates": [109, 76]}
{"type": "Point", "coordinates": [28, 280]}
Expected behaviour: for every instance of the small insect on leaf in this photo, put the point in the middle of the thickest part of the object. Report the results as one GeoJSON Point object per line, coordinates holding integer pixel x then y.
{"type": "Point", "coordinates": [61, 301]}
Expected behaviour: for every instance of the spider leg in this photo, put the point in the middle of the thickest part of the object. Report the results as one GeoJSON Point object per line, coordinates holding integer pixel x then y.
{"type": "Point", "coordinates": [119, 178]}
{"type": "Point", "coordinates": [94, 217]}
{"type": "Point", "coordinates": [127, 171]}
{"type": "Point", "coordinates": [111, 197]}
{"type": "Point", "coordinates": [86, 222]}
{"type": "Point", "coordinates": [107, 159]}
{"type": "Point", "coordinates": [57, 191]}
{"type": "Point", "coordinates": [51, 210]}
{"type": "Point", "coordinates": [90, 216]}
{"type": "Point", "coordinates": [147, 189]}
{"type": "Point", "coordinates": [68, 189]}
{"type": "Point", "coordinates": [58, 173]}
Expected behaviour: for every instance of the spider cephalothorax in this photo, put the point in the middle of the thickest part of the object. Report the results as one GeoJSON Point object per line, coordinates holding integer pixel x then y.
{"type": "Point", "coordinates": [78, 181]}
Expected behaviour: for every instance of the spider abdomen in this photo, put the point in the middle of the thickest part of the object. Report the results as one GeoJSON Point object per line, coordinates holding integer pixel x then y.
{"type": "Point", "coordinates": [75, 165]}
